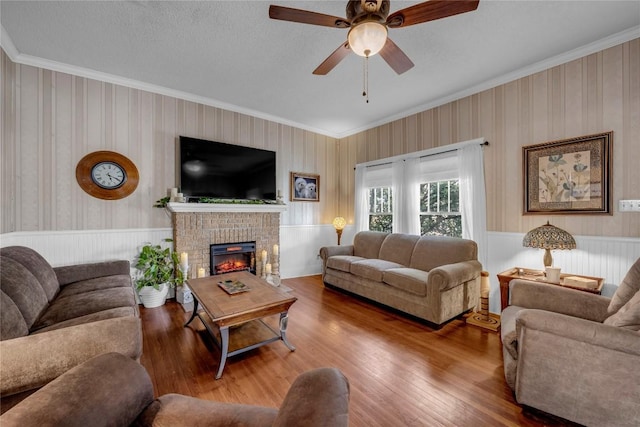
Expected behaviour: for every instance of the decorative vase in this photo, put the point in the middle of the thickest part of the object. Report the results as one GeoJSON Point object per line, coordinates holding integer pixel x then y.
{"type": "Point", "coordinates": [151, 297]}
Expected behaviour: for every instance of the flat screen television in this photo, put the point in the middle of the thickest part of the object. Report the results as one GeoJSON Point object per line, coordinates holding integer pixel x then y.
{"type": "Point", "coordinates": [210, 169]}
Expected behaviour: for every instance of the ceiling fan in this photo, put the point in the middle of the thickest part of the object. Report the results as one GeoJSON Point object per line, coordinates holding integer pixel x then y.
{"type": "Point", "coordinates": [368, 22]}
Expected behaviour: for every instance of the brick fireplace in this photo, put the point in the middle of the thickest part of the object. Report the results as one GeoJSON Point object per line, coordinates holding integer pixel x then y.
{"type": "Point", "coordinates": [196, 226]}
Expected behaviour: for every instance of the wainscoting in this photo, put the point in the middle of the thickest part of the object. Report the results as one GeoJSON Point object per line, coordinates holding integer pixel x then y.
{"type": "Point", "coordinates": [608, 257]}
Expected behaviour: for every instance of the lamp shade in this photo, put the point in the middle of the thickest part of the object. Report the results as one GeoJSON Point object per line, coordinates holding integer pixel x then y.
{"type": "Point", "coordinates": [548, 237]}
{"type": "Point", "coordinates": [367, 38]}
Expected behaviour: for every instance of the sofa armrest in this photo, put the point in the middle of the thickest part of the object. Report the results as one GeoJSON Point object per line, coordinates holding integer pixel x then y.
{"type": "Point", "coordinates": [319, 397]}
{"type": "Point", "coordinates": [451, 275]}
{"type": "Point", "coordinates": [577, 369]}
{"type": "Point", "coordinates": [109, 389]}
{"type": "Point", "coordinates": [329, 251]}
{"type": "Point", "coordinates": [31, 361]}
{"type": "Point", "coordinates": [581, 330]}
{"type": "Point", "coordinates": [76, 273]}
{"type": "Point", "coordinates": [542, 296]}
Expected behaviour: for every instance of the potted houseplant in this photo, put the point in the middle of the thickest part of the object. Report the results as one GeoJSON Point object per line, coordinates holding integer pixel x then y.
{"type": "Point", "coordinates": [157, 266]}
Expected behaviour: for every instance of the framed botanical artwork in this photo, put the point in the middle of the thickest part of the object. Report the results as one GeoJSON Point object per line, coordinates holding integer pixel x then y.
{"type": "Point", "coordinates": [305, 187]}
{"type": "Point", "coordinates": [571, 176]}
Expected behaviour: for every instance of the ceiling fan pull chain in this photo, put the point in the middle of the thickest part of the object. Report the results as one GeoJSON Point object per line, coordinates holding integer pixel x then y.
{"type": "Point", "coordinates": [365, 78]}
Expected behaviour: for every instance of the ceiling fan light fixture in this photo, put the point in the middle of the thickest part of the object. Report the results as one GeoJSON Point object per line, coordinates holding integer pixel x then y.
{"type": "Point", "coordinates": [367, 38]}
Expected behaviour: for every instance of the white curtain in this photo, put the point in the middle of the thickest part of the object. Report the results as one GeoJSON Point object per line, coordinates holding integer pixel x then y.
{"type": "Point", "coordinates": [362, 200]}
{"type": "Point", "coordinates": [411, 203]}
{"type": "Point", "coordinates": [399, 196]}
{"type": "Point", "coordinates": [473, 205]}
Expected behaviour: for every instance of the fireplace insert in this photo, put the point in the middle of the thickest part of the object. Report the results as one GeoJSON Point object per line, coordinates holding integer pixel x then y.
{"type": "Point", "coordinates": [230, 257]}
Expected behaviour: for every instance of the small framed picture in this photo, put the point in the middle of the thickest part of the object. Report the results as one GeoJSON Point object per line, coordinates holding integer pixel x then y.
{"type": "Point", "coordinates": [571, 176]}
{"type": "Point", "coordinates": [305, 187]}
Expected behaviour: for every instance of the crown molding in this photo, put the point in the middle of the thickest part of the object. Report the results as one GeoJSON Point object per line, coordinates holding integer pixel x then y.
{"type": "Point", "coordinates": [7, 44]}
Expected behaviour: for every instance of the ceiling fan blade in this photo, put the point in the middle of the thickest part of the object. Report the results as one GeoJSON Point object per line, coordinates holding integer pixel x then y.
{"type": "Point", "coordinates": [306, 17]}
{"type": "Point", "coordinates": [395, 57]}
{"type": "Point", "coordinates": [333, 59]}
{"type": "Point", "coordinates": [430, 11]}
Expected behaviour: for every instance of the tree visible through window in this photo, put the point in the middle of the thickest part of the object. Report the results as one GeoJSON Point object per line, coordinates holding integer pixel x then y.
{"type": "Point", "coordinates": [380, 209]}
{"type": "Point", "coordinates": [440, 208]}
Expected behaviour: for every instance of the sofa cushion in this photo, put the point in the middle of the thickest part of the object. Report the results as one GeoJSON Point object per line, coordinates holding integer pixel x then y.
{"type": "Point", "coordinates": [85, 303]}
{"type": "Point", "coordinates": [398, 248]}
{"type": "Point", "coordinates": [93, 317]}
{"type": "Point", "coordinates": [435, 251]}
{"type": "Point", "coordinates": [628, 316]}
{"type": "Point", "coordinates": [342, 262]}
{"type": "Point", "coordinates": [628, 288]}
{"type": "Point", "coordinates": [407, 279]}
{"type": "Point", "coordinates": [12, 324]}
{"type": "Point", "coordinates": [106, 282]}
{"type": "Point", "coordinates": [372, 269]}
{"type": "Point", "coordinates": [366, 244]}
{"type": "Point", "coordinates": [37, 265]}
{"type": "Point", "coordinates": [23, 288]}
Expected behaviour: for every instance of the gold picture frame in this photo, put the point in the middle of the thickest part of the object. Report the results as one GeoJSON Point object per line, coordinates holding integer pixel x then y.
{"type": "Point", "coordinates": [570, 176]}
{"type": "Point", "coordinates": [304, 187]}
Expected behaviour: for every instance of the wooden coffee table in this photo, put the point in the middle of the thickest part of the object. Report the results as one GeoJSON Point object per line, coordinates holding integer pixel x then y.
{"type": "Point", "coordinates": [221, 311]}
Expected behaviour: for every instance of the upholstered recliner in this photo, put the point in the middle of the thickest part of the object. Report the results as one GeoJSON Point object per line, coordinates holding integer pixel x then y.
{"type": "Point", "coordinates": [575, 354]}
{"type": "Point", "coordinates": [113, 390]}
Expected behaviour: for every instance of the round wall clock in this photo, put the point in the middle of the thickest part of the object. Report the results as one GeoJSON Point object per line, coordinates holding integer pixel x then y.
{"type": "Point", "coordinates": [107, 175]}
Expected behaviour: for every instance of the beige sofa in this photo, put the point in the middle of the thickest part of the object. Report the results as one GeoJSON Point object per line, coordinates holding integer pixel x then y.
{"type": "Point", "coordinates": [574, 354]}
{"type": "Point", "coordinates": [433, 278]}
{"type": "Point", "coordinates": [52, 319]}
{"type": "Point", "coordinates": [113, 390]}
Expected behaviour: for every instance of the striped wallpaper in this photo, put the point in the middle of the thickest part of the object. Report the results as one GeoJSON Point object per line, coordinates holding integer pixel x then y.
{"type": "Point", "coordinates": [50, 120]}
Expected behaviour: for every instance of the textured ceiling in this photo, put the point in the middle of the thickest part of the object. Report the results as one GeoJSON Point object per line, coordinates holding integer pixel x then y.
{"type": "Point", "coordinates": [230, 54]}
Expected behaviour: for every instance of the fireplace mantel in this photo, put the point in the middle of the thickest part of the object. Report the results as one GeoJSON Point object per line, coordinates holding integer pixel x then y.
{"type": "Point", "coordinates": [224, 207]}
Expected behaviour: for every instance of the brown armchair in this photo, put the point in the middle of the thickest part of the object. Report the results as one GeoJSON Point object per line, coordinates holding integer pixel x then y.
{"type": "Point", "coordinates": [574, 354]}
{"type": "Point", "coordinates": [114, 390]}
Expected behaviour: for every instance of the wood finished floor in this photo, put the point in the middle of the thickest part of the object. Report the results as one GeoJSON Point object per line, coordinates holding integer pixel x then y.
{"type": "Point", "coordinates": [401, 372]}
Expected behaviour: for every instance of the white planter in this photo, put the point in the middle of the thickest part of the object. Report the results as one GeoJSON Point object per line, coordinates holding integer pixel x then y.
{"type": "Point", "coordinates": [151, 297]}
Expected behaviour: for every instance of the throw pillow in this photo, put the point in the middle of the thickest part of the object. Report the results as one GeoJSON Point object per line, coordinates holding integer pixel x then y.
{"type": "Point", "coordinates": [628, 316]}
{"type": "Point", "coordinates": [627, 289]}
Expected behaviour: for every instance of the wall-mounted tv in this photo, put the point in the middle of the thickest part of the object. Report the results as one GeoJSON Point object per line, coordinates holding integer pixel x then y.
{"type": "Point", "coordinates": [225, 171]}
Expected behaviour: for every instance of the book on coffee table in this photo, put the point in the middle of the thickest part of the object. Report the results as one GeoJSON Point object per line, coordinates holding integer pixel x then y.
{"type": "Point", "coordinates": [233, 286]}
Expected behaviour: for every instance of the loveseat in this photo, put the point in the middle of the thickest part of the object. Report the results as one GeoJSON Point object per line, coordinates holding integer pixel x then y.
{"type": "Point", "coordinates": [435, 278]}
{"type": "Point", "coordinates": [113, 390]}
{"type": "Point", "coordinates": [575, 354]}
{"type": "Point", "coordinates": [52, 319]}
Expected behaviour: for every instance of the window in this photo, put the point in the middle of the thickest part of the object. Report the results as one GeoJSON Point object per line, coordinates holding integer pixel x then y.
{"type": "Point", "coordinates": [380, 209]}
{"type": "Point", "coordinates": [440, 208]}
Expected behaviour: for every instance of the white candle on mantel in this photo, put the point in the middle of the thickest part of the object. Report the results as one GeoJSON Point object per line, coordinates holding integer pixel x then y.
{"type": "Point", "coordinates": [184, 260]}
{"type": "Point", "coordinates": [267, 268]}
{"type": "Point", "coordinates": [264, 255]}
{"type": "Point", "coordinates": [200, 272]}
{"type": "Point", "coordinates": [276, 250]}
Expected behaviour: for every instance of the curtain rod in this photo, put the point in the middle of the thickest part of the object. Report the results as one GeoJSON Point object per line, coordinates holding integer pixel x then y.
{"type": "Point", "coordinates": [485, 143]}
